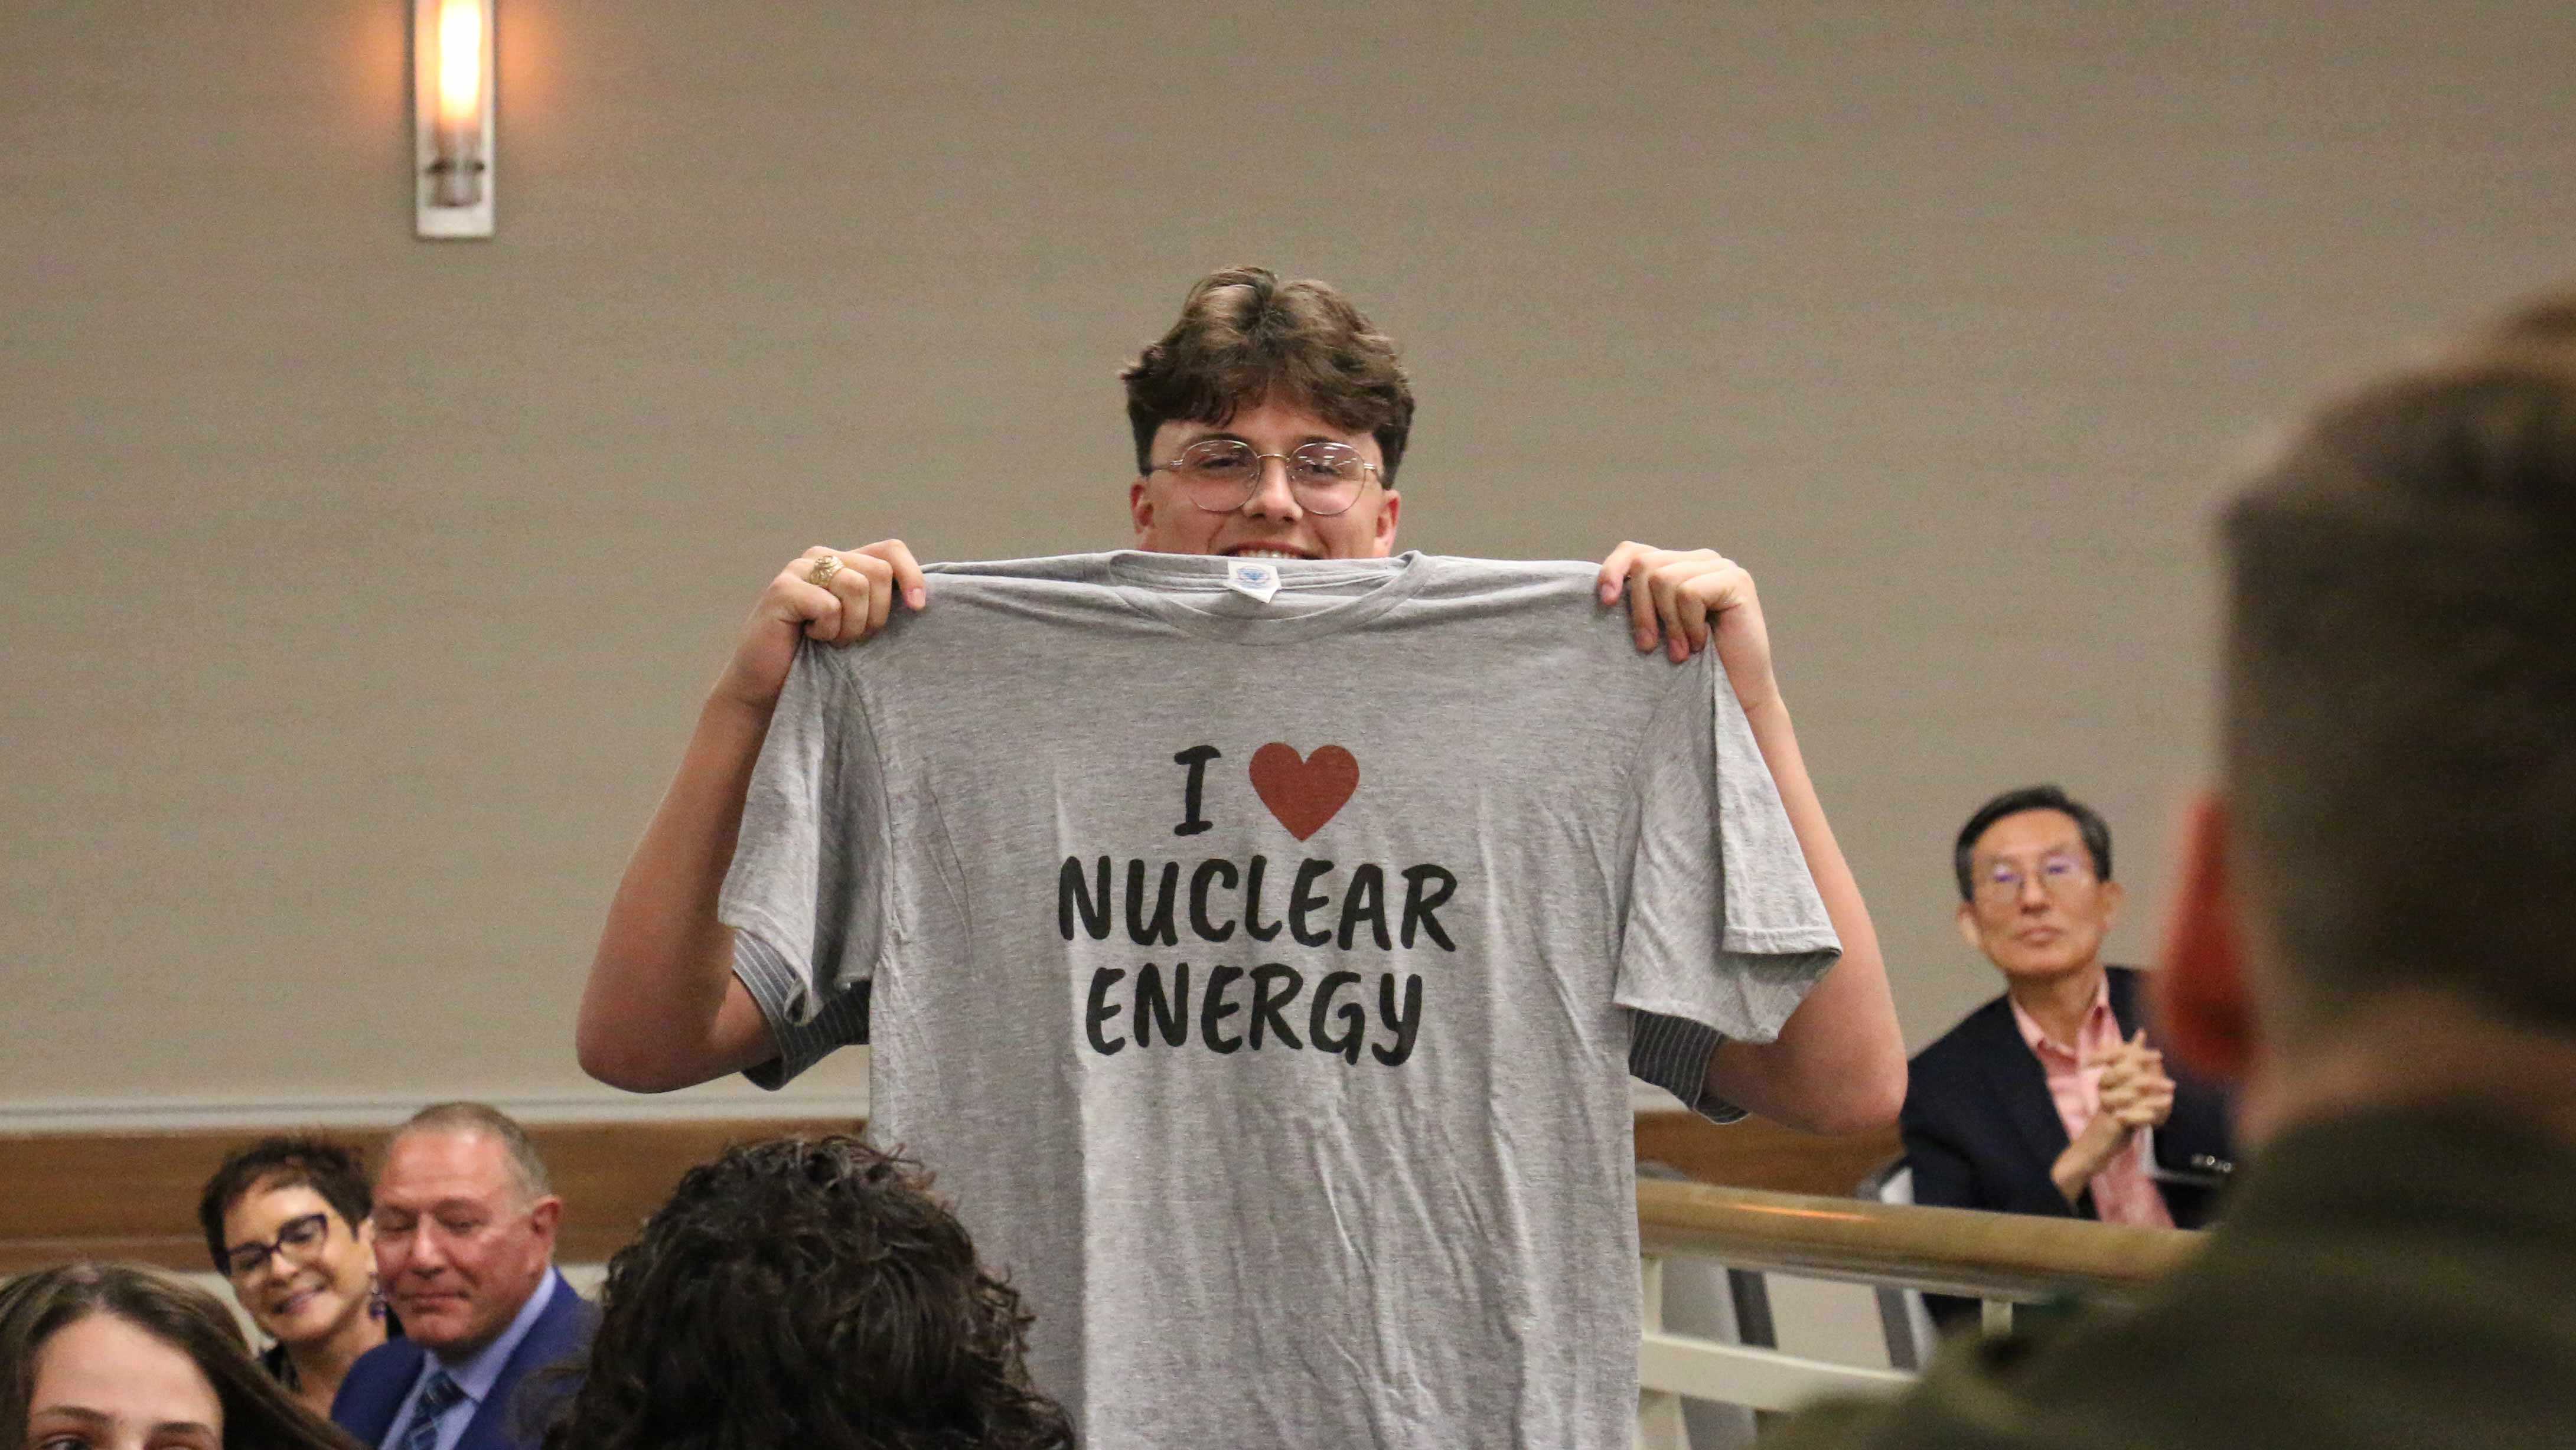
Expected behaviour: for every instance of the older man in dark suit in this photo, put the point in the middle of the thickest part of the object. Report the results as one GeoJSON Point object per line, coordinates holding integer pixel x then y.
{"type": "Point", "coordinates": [2051, 1099]}
{"type": "Point", "coordinates": [465, 1233]}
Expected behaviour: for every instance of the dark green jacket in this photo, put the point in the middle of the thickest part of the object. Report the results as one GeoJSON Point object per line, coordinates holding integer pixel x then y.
{"type": "Point", "coordinates": [2381, 1281]}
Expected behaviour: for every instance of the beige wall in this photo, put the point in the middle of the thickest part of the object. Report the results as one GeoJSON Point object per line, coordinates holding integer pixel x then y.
{"type": "Point", "coordinates": [358, 591]}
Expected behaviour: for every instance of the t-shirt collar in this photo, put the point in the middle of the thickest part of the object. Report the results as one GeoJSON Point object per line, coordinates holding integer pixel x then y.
{"type": "Point", "coordinates": [1189, 592]}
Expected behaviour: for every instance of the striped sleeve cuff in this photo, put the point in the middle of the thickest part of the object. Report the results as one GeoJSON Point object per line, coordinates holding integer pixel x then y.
{"type": "Point", "coordinates": [1672, 1053]}
{"type": "Point", "coordinates": [777, 989]}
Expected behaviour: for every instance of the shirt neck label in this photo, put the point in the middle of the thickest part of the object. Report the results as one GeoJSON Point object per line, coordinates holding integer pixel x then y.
{"type": "Point", "coordinates": [1253, 578]}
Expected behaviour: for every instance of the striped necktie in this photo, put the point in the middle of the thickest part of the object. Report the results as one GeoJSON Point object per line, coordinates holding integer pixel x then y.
{"type": "Point", "coordinates": [437, 1397]}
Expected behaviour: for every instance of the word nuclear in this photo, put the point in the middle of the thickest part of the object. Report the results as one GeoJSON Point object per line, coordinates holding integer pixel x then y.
{"type": "Point", "coordinates": [1222, 896]}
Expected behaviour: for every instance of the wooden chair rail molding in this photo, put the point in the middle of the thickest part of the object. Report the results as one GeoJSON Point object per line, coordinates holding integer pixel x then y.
{"type": "Point", "coordinates": [134, 1195]}
{"type": "Point", "coordinates": [1948, 1250]}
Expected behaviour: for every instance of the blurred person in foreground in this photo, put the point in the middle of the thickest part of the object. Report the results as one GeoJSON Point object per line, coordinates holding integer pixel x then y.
{"type": "Point", "coordinates": [286, 1220]}
{"type": "Point", "coordinates": [465, 1222]}
{"type": "Point", "coordinates": [807, 1292]}
{"type": "Point", "coordinates": [112, 1357]}
{"type": "Point", "coordinates": [2370, 939]}
{"type": "Point", "coordinates": [2055, 1097]}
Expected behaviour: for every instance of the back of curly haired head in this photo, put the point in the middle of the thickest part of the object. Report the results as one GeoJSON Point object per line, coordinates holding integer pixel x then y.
{"type": "Point", "coordinates": [1243, 336]}
{"type": "Point", "coordinates": [806, 1292]}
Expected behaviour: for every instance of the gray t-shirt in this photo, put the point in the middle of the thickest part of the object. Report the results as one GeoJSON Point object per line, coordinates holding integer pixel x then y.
{"type": "Point", "coordinates": [1257, 977]}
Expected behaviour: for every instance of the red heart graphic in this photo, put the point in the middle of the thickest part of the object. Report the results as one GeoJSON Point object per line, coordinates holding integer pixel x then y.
{"type": "Point", "coordinates": [1304, 794]}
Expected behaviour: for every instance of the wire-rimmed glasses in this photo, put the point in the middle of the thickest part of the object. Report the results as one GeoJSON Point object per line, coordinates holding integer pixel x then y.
{"type": "Point", "coordinates": [2058, 873]}
{"type": "Point", "coordinates": [1220, 475]}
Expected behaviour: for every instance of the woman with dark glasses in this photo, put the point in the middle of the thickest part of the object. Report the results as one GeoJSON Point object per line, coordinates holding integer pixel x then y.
{"type": "Point", "coordinates": [286, 1220]}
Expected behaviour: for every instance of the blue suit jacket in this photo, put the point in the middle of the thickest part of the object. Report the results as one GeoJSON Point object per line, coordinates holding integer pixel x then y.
{"type": "Point", "coordinates": [513, 1416]}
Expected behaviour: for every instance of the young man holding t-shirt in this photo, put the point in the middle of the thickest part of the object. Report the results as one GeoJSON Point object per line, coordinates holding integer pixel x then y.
{"type": "Point", "coordinates": [1252, 927]}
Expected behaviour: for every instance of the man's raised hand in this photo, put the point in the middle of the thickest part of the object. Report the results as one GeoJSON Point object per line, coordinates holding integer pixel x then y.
{"type": "Point", "coordinates": [1681, 599]}
{"type": "Point", "coordinates": [835, 596]}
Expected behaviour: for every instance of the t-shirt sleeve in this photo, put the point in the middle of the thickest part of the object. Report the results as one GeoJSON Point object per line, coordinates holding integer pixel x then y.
{"type": "Point", "coordinates": [1725, 930]}
{"type": "Point", "coordinates": [808, 893]}
{"type": "Point", "coordinates": [774, 986]}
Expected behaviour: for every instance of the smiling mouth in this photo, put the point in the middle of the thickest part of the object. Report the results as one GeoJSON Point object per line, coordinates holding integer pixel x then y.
{"type": "Point", "coordinates": [1265, 551]}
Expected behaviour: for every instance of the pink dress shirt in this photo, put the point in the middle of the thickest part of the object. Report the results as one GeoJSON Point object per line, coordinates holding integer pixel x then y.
{"type": "Point", "coordinates": [2122, 1191]}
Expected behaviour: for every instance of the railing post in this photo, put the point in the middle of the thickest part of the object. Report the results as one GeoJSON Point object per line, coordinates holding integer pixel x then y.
{"type": "Point", "coordinates": [1659, 1413]}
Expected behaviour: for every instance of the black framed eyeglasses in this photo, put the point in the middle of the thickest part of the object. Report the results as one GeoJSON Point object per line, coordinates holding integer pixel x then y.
{"type": "Point", "coordinates": [1220, 475]}
{"type": "Point", "coordinates": [299, 1239]}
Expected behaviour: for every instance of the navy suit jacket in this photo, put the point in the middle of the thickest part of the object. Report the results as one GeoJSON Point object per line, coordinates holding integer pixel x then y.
{"type": "Point", "coordinates": [1981, 1129]}
{"type": "Point", "coordinates": [513, 1416]}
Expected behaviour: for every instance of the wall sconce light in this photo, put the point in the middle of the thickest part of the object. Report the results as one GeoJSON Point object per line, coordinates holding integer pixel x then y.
{"type": "Point", "coordinates": [451, 108]}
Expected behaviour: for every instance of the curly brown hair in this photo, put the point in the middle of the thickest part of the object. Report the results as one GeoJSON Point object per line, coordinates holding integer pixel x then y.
{"type": "Point", "coordinates": [807, 1292]}
{"type": "Point", "coordinates": [1243, 335]}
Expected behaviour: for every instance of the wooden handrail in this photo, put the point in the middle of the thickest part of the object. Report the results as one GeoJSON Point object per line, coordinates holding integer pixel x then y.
{"type": "Point", "coordinates": [133, 1196]}
{"type": "Point", "coordinates": [1945, 1250]}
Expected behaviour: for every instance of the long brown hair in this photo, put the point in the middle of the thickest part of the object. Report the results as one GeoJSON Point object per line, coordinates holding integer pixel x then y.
{"type": "Point", "coordinates": [258, 1413]}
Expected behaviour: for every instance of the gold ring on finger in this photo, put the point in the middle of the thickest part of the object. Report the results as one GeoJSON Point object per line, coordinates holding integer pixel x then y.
{"type": "Point", "coordinates": [823, 570]}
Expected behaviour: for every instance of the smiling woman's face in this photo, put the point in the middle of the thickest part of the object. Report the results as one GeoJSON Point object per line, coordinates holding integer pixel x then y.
{"type": "Point", "coordinates": [302, 1292]}
{"type": "Point", "coordinates": [104, 1384]}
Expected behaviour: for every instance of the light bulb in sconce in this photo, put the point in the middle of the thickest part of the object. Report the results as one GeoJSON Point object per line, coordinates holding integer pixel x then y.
{"type": "Point", "coordinates": [460, 102]}
{"type": "Point", "coordinates": [453, 116]}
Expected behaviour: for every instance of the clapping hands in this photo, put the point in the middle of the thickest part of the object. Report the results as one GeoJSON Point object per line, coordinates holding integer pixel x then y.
{"type": "Point", "coordinates": [2134, 1093]}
